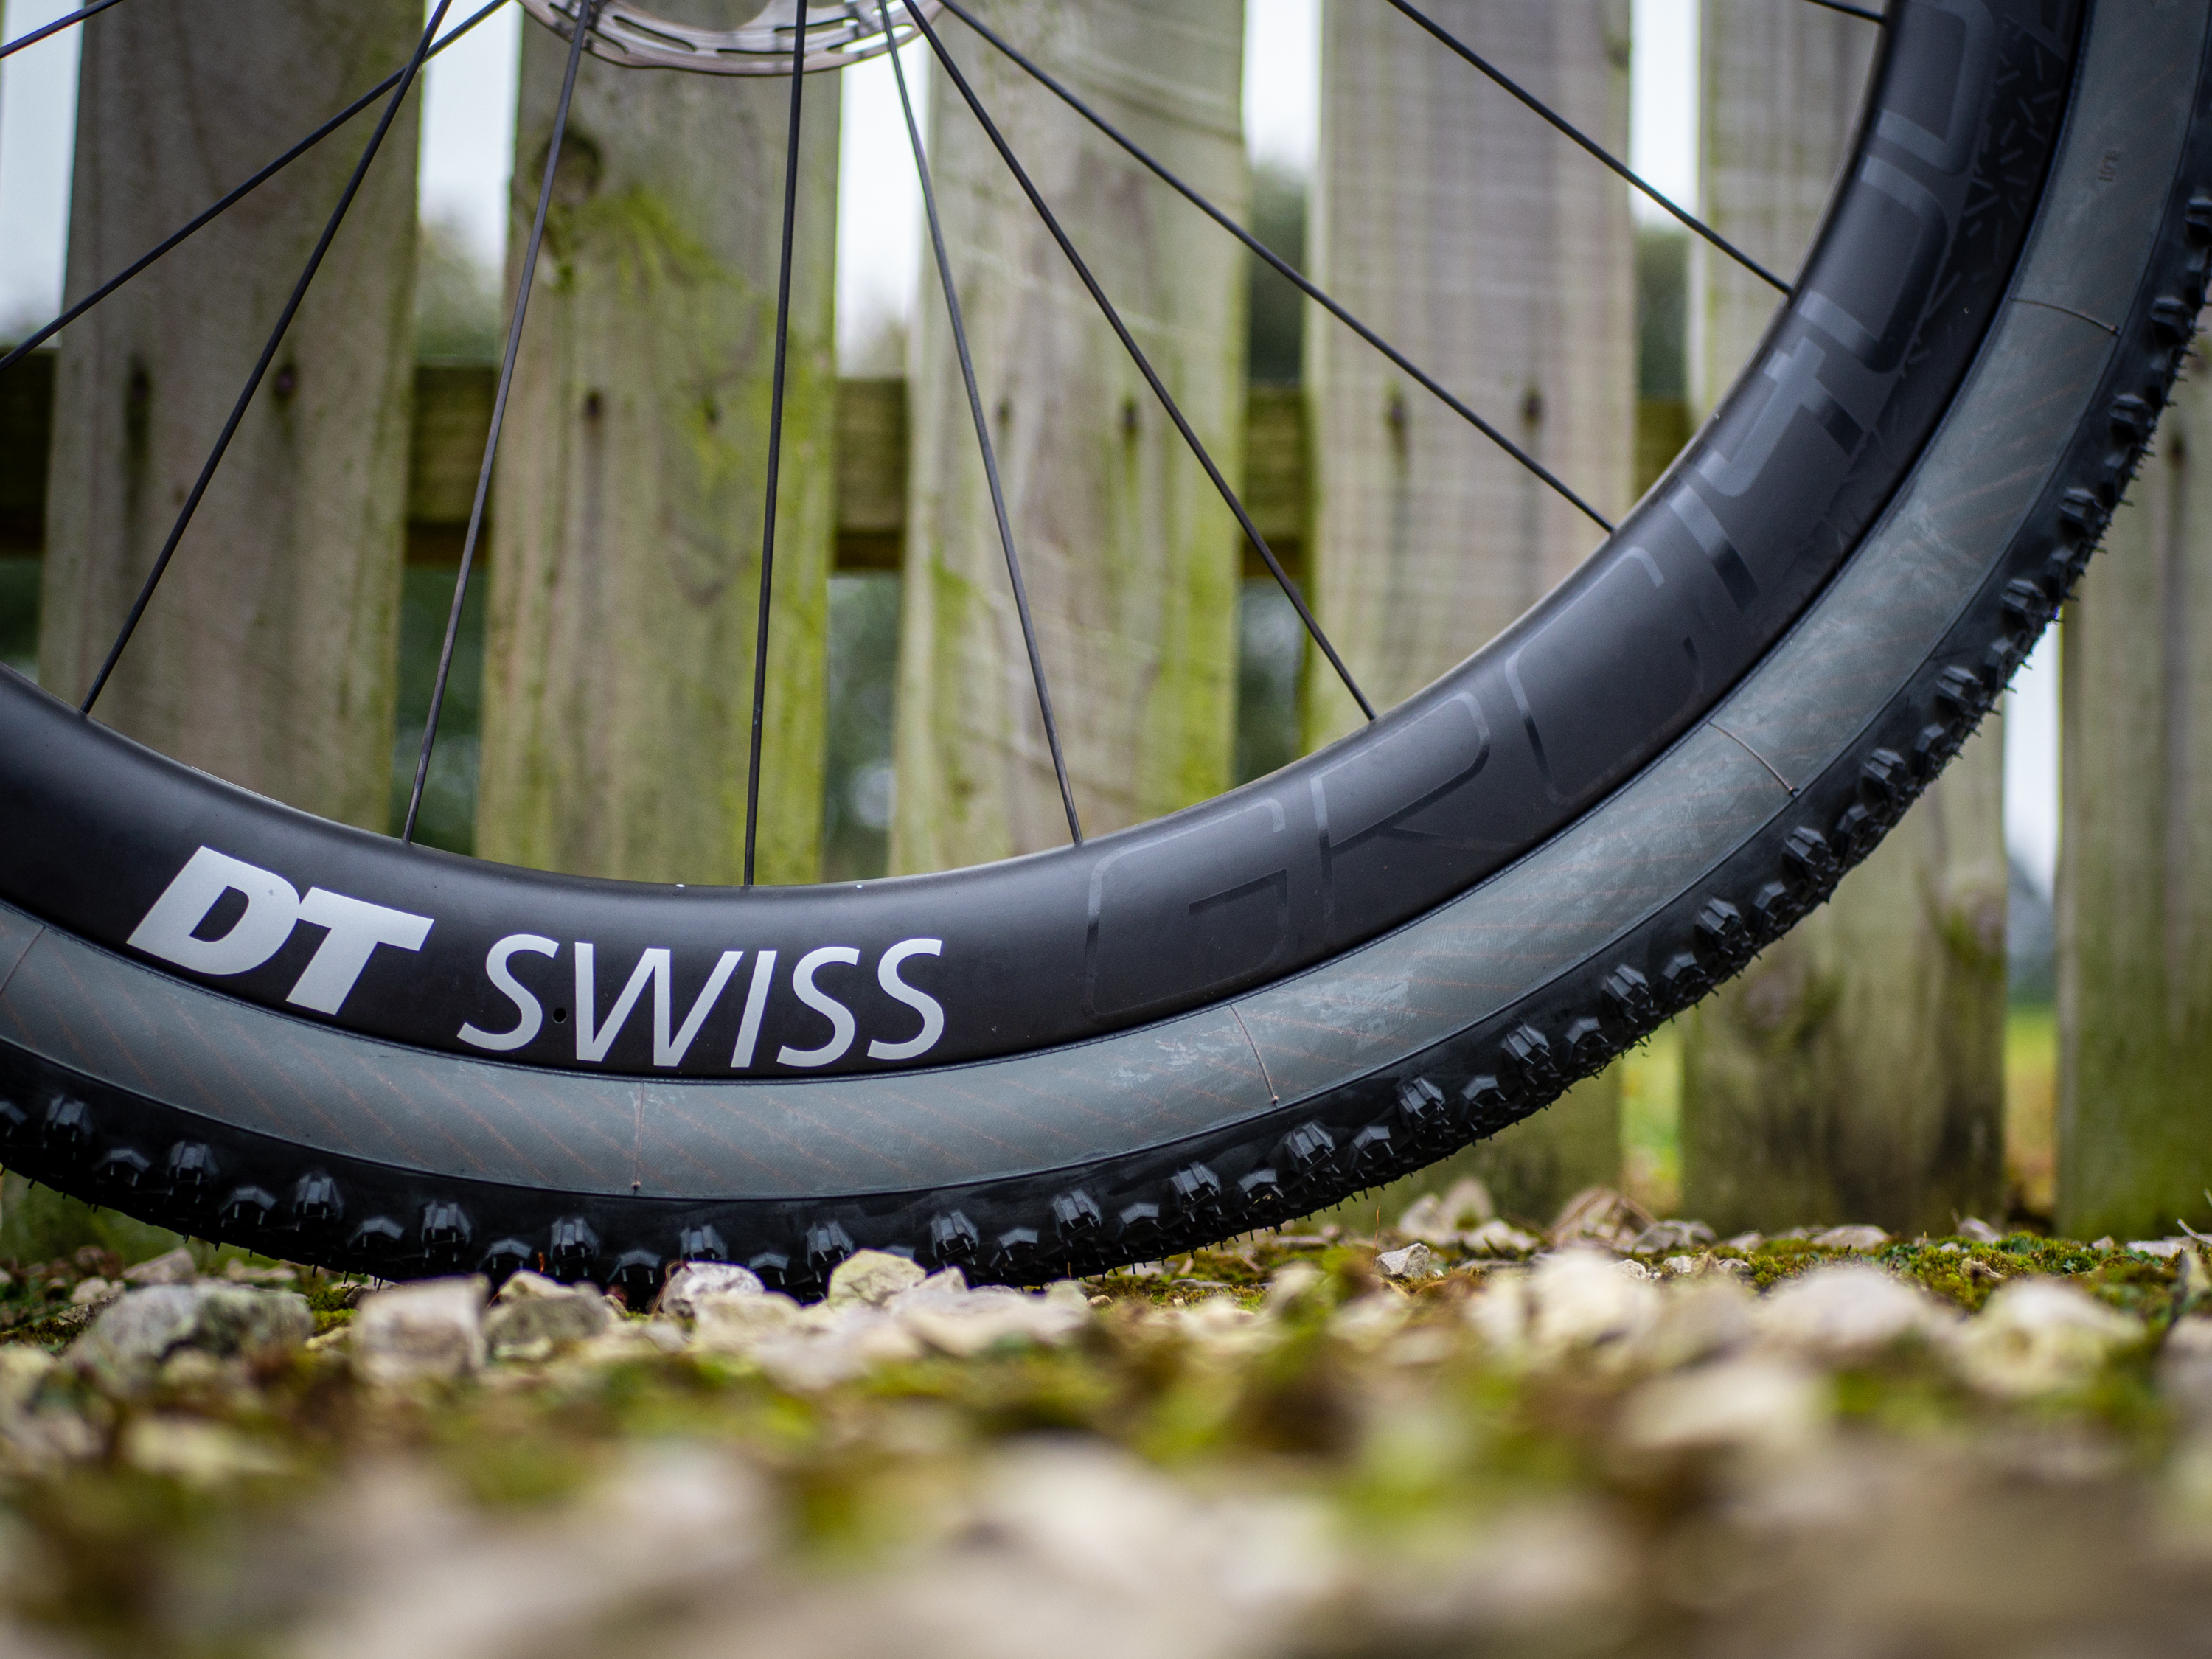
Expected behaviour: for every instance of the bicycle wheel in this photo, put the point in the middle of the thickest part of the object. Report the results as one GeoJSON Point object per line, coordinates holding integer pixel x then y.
{"type": "Point", "coordinates": [1253, 1007]}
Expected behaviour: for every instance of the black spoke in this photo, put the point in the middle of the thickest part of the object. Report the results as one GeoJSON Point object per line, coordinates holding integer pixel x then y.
{"type": "Point", "coordinates": [1850, 11]}
{"type": "Point", "coordinates": [1136, 356]}
{"type": "Point", "coordinates": [55, 27]}
{"type": "Point", "coordinates": [776, 432]}
{"type": "Point", "coordinates": [38, 339]}
{"type": "Point", "coordinates": [984, 437]}
{"type": "Point", "coordinates": [268, 354]}
{"type": "Point", "coordinates": [1289, 271]}
{"type": "Point", "coordinates": [1607, 156]}
{"type": "Point", "coordinates": [585, 13]}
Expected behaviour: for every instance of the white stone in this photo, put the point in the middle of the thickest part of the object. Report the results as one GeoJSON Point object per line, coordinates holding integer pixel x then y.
{"type": "Point", "coordinates": [1670, 1235]}
{"type": "Point", "coordinates": [431, 1330]}
{"type": "Point", "coordinates": [1499, 1237]}
{"type": "Point", "coordinates": [1847, 1311]}
{"type": "Point", "coordinates": [1414, 1263]}
{"type": "Point", "coordinates": [2041, 1336]}
{"type": "Point", "coordinates": [729, 1322]}
{"type": "Point", "coordinates": [1440, 1217]}
{"type": "Point", "coordinates": [963, 1323]}
{"type": "Point", "coordinates": [1755, 1403]}
{"type": "Point", "coordinates": [1292, 1282]}
{"type": "Point", "coordinates": [2165, 1249]}
{"type": "Point", "coordinates": [174, 1267]}
{"type": "Point", "coordinates": [1573, 1301]}
{"type": "Point", "coordinates": [527, 1287]}
{"type": "Point", "coordinates": [196, 1452]}
{"type": "Point", "coordinates": [873, 1277]}
{"type": "Point", "coordinates": [690, 1281]}
{"type": "Point", "coordinates": [1699, 1316]}
{"type": "Point", "coordinates": [92, 1290]}
{"type": "Point", "coordinates": [1851, 1238]}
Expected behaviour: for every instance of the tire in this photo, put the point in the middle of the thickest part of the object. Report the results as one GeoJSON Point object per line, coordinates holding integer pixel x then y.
{"type": "Point", "coordinates": [1247, 1010]}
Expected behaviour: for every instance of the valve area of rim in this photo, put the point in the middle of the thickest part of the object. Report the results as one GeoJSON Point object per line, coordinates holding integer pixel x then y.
{"type": "Point", "coordinates": [838, 33]}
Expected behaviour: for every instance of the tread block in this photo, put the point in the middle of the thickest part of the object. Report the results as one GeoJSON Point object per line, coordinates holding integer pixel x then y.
{"type": "Point", "coordinates": [1076, 1216]}
{"type": "Point", "coordinates": [953, 1237]}
{"type": "Point", "coordinates": [703, 1244]}
{"type": "Point", "coordinates": [1527, 1057]}
{"type": "Point", "coordinates": [122, 1169]}
{"type": "Point", "coordinates": [69, 1127]}
{"type": "Point", "coordinates": [316, 1199]}
{"type": "Point", "coordinates": [504, 1258]}
{"type": "Point", "coordinates": [1629, 994]}
{"type": "Point", "coordinates": [248, 1209]}
{"type": "Point", "coordinates": [445, 1228]}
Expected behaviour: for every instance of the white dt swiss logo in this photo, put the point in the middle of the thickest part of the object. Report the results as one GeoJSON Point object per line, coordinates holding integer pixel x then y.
{"type": "Point", "coordinates": [273, 908]}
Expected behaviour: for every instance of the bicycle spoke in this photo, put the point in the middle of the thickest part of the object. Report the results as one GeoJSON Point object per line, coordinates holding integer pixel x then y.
{"type": "Point", "coordinates": [1136, 356]}
{"type": "Point", "coordinates": [1289, 272]}
{"type": "Point", "coordinates": [774, 432]}
{"type": "Point", "coordinates": [984, 437]}
{"type": "Point", "coordinates": [1850, 11]}
{"type": "Point", "coordinates": [207, 217]}
{"type": "Point", "coordinates": [268, 354]}
{"type": "Point", "coordinates": [54, 27]}
{"type": "Point", "coordinates": [1509, 84]}
{"type": "Point", "coordinates": [585, 13]}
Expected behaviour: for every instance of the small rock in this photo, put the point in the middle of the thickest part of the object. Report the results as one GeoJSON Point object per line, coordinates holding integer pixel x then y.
{"type": "Point", "coordinates": [431, 1330]}
{"type": "Point", "coordinates": [134, 1334]}
{"type": "Point", "coordinates": [197, 1452]}
{"type": "Point", "coordinates": [2185, 1365]}
{"type": "Point", "coordinates": [2104, 1243]}
{"type": "Point", "coordinates": [1846, 1312]}
{"type": "Point", "coordinates": [1701, 1315]}
{"type": "Point", "coordinates": [1745, 1241]}
{"type": "Point", "coordinates": [689, 1281]}
{"type": "Point", "coordinates": [1292, 1282]}
{"type": "Point", "coordinates": [1500, 1238]}
{"type": "Point", "coordinates": [873, 1278]}
{"type": "Point", "coordinates": [2041, 1336]}
{"type": "Point", "coordinates": [1366, 1323]}
{"type": "Point", "coordinates": [1411, 1264]}
{"type": "Point", "coordinates": [533, 1318]}
{"type": "Point", "coordinates": [22, 1368]}
{"type": "Point", "coordinates": [1668, 1236]}
{"type": "Point", "coordinates": [732, 1322]}
{"type": "Point", "coordinates": [2165, 1249]}
{"type": "Point", "coordinates": [174, 1267]}
{"type": "Point", "coordinates": [1600, 1215]}
{"type": "Point", "coordinates": [1851, 1238]}
{"type": "Point", "coordinates": [1440, 1217]}
{"type": "Point", "coordinates": [240, 1272]}
{"type": "Point", "coordinates": [963, 1323]}
{"type": "Point", "coordinates": [1758, 1404]}
{"type": "Point", "coordinates": [1979, 1230]}
{"type": "Point", "coordinates": [1574, 1300]}
{"type": "Point", "coordinates": [95, 1289]}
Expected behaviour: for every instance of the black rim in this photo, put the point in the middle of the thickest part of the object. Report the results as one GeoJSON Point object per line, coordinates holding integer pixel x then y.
{"type": "Point", "coordinates": [1480, 786]}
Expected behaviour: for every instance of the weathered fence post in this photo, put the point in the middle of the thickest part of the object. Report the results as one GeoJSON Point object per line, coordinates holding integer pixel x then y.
{"type": "Point", "coordinates": [2135, 854]}
{"type": "Point", "coordinates": [1130, 557]}
{"type": "Point", "coordinates": [1501, 258]}
{"type": "Point", "coordinates": [626, 568]}
{"type": "Point", "coordinates": [1856, 1072]}
{"type": "Point", "coordinates": [267, 656]}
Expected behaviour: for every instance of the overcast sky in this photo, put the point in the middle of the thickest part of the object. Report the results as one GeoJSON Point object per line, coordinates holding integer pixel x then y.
{"type": "Point", "coordinates": [469, 114]}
